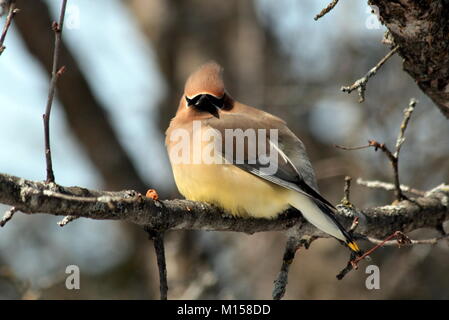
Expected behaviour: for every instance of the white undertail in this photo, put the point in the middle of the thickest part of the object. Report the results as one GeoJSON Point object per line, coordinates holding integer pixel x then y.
{"type": "Point", "coordinates": [314, 215]}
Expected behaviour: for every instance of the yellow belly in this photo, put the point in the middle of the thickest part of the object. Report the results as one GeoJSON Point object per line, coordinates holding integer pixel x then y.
{"type": "Point", "coordinates": [238, 192]}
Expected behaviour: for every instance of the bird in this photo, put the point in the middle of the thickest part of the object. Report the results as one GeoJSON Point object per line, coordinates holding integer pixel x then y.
{"type": "Point", "coordinates": [202, 141]}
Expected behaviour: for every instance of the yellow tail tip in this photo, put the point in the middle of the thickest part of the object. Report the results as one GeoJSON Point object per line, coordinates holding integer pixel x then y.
{"type": "Point", "coordinates": [353, 246]}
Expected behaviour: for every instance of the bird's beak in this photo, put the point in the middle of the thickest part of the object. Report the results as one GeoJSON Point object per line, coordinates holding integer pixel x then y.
{"type": "Point", "coordinates": [213, 110]}
{"type": "Point", "coordinates": [203, 103]}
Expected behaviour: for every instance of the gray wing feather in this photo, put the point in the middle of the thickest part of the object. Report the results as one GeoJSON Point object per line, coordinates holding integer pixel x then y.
{"type": "Point", "coordinates": [294, 171]}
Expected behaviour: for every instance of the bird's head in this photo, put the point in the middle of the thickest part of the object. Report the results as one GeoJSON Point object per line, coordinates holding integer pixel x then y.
{"type": "Point", "coordinates": [204, 90]}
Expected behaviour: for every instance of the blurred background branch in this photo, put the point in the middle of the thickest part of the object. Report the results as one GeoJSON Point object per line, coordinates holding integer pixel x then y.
{"type": "Point", "coordinates": [12, 10]}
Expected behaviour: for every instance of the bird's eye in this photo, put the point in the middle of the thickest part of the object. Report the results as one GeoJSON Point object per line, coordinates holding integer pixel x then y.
{"type": "Point", "coordinates": [193, 101]}
{"type": "Point", "coordinates": [218, 102]}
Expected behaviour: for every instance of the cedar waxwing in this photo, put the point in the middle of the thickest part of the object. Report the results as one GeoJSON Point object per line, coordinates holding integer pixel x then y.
{"type": "Point", "coordinates": [243, 184]}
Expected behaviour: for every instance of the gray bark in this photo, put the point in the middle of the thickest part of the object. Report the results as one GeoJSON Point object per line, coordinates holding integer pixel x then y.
{"type": "Point", "coordinates": [421, 29]}
{"type": "Point", "coordinates": [37, 197]}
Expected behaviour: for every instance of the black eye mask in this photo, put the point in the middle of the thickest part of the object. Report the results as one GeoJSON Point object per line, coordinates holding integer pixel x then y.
{"type": "Point", "coordinates": [202, 99]}
{"type": "Point", "coordinates": [207, 103]}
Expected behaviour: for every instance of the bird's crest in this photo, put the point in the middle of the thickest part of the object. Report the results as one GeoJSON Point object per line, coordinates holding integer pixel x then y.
{"type": "Point", "coordinates": [207, 79]}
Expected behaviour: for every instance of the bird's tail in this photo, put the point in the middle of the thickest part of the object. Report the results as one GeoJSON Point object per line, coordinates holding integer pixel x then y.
{"type": "Point", "coordinates": [322, 217]}
{"type": "Point", "coordinates": [354, 247]}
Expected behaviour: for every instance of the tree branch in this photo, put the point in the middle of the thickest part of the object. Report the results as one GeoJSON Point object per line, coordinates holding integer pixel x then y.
{"type": "Point", "coordinates": [293, 245]}
{"type": "Point", "coordinates": [159, 216]}
{"type": "Point", "coordinates": [360, 84]}
{"type": "Point", "coordinates": [347, 191]}
{"type": "Point", "coordinates": [158, 240]}
{"type": "Point", "coordinates": [392, 157]}
{"type": "Point", "coordinates": [37, 197]}
{"type": "Point", "coordinates": [7, 216]}
{"type": "Point", "coordinates": [388, 186]}
{"type": "Point", "coordinates": [326, 10]}
{"type": "Point", "coordinates": [12, 11]}
{"type": "Point", "coordinates": [66, 220]}
{"type": "Point", "coordinates": [394, 163]}
{"type": "Point", "coordinates": [410, 243]}
{"type": "Point", "coordinates": [55, 74]}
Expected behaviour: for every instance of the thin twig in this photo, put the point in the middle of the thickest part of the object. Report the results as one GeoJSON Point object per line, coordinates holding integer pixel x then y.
{"type": "Point", "coordinates": [389, 186]}
{"type": "Point", "coordinates": [66, 220]}
{"type": "Point", "coordinates": [347, 207]}
{"type": "Point", "coordinates": [326, 10]}
{"type": "Point", "coordinates": [401, 239]}
{"type": "Point", "coordinates": [158, 242]}
{"type": "Point", "coordinates": [394, 160]}
{"type": "Point", "coordinates": [281, 281]}
{"type": "Point", "coordinates": [293, 245]}
{"type": "Point", "coordinates": [354, 260]}
{"type": "Point", "coordinates": [7, 216]}
{"type": "Point", "coordinates": [347, 190]}
{"type": "Point", "coordinates": [407, 114]}
{"type": "Point", "coordinates": [388, 38]}
{"type": "Point", "coordinates": [395, 164]}
{"type": "Point", "coordinates": [354, 225]}
{"type": "Point", "coordinates": [12, 11]}
{"type": "Point", "coordinates": [57, 28]}
{"type": "Point", "coordinates": [349, 267]}
{"type": "Point", "coordinates": [360, 84]}
{"type": "Point", "coordinates": [352, 148]}
{"type": "Point", "coordinates": [392, 157]}
{"type": "Point", "coordinates": [430, 241]}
